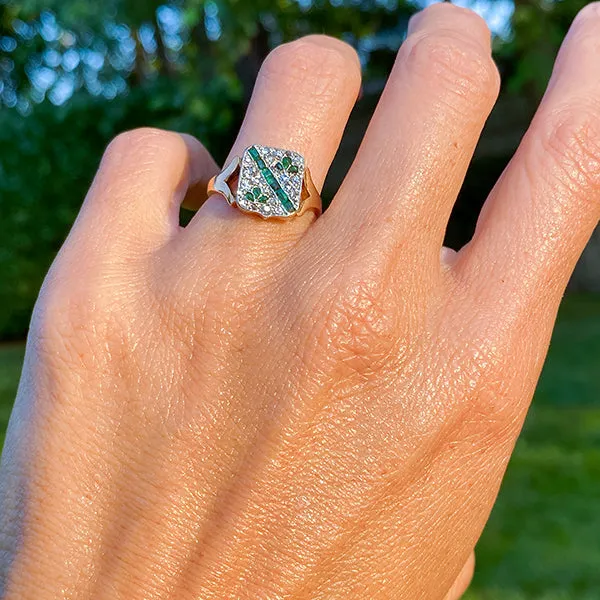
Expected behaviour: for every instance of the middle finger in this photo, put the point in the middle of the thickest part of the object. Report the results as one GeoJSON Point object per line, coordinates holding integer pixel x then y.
{"type": "Point", "coordinates": [418, 146]}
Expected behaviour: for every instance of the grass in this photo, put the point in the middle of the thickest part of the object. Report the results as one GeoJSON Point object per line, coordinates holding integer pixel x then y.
{"type": "Point", "coordinates": [543, 539]}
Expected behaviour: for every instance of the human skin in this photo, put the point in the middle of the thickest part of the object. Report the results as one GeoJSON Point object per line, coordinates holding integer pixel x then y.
{"type": "Point", "coordinates": [304, 409]}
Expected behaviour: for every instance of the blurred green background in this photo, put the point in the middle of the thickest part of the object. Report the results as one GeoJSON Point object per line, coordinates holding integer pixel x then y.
{"type": "Point", "coordinates": [74, 73]}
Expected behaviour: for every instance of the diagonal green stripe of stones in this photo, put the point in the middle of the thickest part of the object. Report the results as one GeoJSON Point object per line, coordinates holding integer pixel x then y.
{"type": "Point", "coordinates": [271, 180]}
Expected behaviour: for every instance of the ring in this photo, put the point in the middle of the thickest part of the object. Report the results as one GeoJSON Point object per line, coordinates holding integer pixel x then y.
{"type": "Point", "coordinates": [269, 182]}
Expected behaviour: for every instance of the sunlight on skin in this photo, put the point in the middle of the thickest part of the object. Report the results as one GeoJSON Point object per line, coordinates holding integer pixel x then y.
{"type": "Point", "coordinates": [316, 409]}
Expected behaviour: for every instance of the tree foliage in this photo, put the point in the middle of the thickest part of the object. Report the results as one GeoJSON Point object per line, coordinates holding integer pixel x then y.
{"type": "Point", "coordinates": [73, 73]}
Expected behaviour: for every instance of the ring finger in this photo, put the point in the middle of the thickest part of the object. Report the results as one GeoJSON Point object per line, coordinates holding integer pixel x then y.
{"type": "Point", "coordinates": [301, 102]}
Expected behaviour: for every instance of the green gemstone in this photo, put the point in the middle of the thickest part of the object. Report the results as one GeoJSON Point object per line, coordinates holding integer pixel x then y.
{"type": "Point", "coordinates": [257, 194]}
{"type": "Point", "coordinates": [257, 157]}
{"type": "Point", "coordinates": [249, 196]}
{"type": "Point", "coordinates": [285, 200]}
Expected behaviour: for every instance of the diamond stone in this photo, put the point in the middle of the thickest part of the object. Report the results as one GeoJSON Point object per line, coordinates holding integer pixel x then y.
{"type": "Point", "coordinates": [270, 181]}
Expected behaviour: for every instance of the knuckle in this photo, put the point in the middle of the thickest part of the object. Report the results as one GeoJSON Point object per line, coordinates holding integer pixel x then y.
{"type": "Point", "coordinates": [466, 17]}
{"type": "Point", "coordinates": [78, 324]}
{"type": "Point", "coordinates": [322, 61]}
{"type": "Point", "coordinates": [460, 65]}
{"type": "Point", "coordinates": [485, 404]}
{"type": "Point", "coordinates": [359, 328]}
{"type": "Point", "coordinates": [80, 292]}
{"type": "Point", "coordinates": [64, 302]}
{"type": "Point", "coordinates": [141, 141]}
{"type": "Point", "coordinates": [590, 12]}
{"type": "Point", "coordinates": [62, 315]}
{"type": "Point", "coordinates": [570, 140]}
{"type": "Point", "coordinates": [583, 37]}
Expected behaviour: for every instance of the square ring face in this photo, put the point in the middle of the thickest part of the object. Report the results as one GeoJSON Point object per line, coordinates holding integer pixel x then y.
{"type": "Point", "coordinates": [270, 181]}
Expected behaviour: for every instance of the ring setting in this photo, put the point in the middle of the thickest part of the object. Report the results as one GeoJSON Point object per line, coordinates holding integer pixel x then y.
{"type": "Point", "coordinates": [269, 182]}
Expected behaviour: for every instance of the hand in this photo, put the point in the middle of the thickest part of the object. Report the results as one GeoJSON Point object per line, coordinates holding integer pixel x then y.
{"type": "Point", "coordinates": [300, 409]}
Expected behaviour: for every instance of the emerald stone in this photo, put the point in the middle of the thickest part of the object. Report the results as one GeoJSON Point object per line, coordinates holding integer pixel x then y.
{"type": "Point", "coordinates": [286, 161]}
{"type": "Point", "coordinates": [257, 191]}
{"type": "Point", "coordinates": [253, 152]}
{"type": "Point", "coordinates": [285, 200]}
{"type": "Point", "coordinates": [293, 169]}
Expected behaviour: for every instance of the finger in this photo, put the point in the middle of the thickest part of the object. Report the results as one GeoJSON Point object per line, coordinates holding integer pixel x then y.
{"type": "Point", "coordinates": [540, 215]}
{"type": "Point", "coordinates": [302, 100]}
{"type": "Point", "coordinates": [420, 141]}
{"type": "Point", "coordinates": [463, 581]}
{"type": "Point", "coordinates": [320, 77]}
{"type": "Point", "coordinates": [141, 182]}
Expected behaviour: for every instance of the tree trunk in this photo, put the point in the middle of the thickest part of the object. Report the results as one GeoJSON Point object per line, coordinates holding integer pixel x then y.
{"type": "Point", "coordinates": [138, 74]}
{"type": "Point", "coordinates": [165, 67]}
